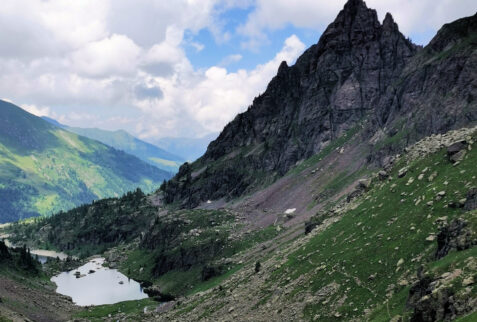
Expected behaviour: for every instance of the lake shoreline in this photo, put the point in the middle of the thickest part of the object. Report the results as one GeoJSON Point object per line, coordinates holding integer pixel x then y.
{"type": "Point", "coordinates": [93, 283]}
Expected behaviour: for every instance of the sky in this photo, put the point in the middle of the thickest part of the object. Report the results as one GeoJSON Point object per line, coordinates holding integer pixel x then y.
{"type": "Point", "coordinates": [176, 68]}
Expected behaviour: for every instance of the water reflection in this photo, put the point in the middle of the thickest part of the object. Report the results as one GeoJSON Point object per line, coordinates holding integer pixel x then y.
{"type": "Point", "coordinates": [93, 284]}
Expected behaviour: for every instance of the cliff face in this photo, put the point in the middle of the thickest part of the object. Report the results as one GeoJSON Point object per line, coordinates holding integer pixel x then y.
{"type": "Point", "coordinates": [360, 72]}
{"type": "Point", "coordinates": [437, 90]}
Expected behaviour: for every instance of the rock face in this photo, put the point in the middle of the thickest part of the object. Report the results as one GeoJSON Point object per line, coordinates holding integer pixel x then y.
{"type": "Point", "coordinates": [471, 200]}
{"type": "Point", "coordinates": [361, 71]}
{"type": "Point", "coordinates": [432, 303]}
{"type": "Point", "coordinates": [454, 236]}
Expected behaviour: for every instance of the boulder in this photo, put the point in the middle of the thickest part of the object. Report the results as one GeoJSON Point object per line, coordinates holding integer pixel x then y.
{"type": "Point", "coordinates": [471, 200]}
{"type": "Point", "coordinates": [457, 157]}
{"type": "Point", "coordinates": [454, 236]}
{"type": "Point", "coordinates": [456, 147]}
{"type": "Point", "coordinates": [402, 172]}
{"type": "Point", "coordinates": [364, 184]}
{"type": "Point", "coordinates": [383, 175]}
{"type": "Point", "coordinates": [354, 194]}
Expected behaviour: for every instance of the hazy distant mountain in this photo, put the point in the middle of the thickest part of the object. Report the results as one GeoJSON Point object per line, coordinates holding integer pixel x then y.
{"type": "Point", "coordinates": [124, 141]}
{"type": "Point", "coordinates": [188, 148]}
{"type": "Point", "coordinates": [54, 122]}
{"type": "Point", "coordinates": [44, 168]}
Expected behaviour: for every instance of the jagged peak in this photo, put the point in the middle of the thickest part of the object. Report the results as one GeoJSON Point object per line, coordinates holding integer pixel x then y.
{"type": "Point", "coordinates": [355, 23]}
{"type": "Point", "coordinates": [282, 68]}
{"type": "Point", "coordinates": [350, 4]}
{"type": "Point", "coordinates": [354, 9]}
{"type": "Point", "coordinates": [389, 21]}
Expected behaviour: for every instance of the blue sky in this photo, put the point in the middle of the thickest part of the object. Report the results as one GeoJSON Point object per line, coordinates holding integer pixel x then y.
{"type": "Point", "coordinates": [181, 68]}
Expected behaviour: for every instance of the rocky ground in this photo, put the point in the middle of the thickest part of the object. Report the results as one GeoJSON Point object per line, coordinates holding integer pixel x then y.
{"type": "Point", "coordinates": [33, 300]}
{"type": "Point", "coordinates": [432, 279]}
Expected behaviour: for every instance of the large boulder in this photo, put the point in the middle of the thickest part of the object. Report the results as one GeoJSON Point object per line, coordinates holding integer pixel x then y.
{"type": "Point", "coordinates": [454, 236]}
{"type": "Point", "coordinates": [456, 147]}
{"type": "Point", "coordinates": [471, 202]}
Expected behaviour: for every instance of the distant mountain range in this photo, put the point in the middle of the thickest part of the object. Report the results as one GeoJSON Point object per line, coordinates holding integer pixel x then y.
{"type": "Point", "coordinates": [124, 141]}
{"type": "Point", "coordinates": [189, 148]}
{"type": "Point", "coordinates": [45, 168]}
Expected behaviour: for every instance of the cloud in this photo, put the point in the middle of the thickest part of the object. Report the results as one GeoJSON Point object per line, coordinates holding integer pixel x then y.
{"type": "Point", "coordinates": [231, 59]}
{"type": "Point", "coordinates": [121, 63]}
{"type": "Point", "coordinates": [198, 46]}
{"type": "Point", "coordinates": [272, 15]}
{"type": "Point", "coordinates": [212, 98]}
{"type": "Point", "coordinates": [115, 55]}
{"type": "Point", "coordinates": [38, 111]}
{"type": "Point", "coordinates": [143, 92]}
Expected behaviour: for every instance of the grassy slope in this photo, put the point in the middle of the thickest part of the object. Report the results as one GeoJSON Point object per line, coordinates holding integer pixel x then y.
{"type": "Point", "coordinates": [183, 281]}
{"type": "Point", "coordinates": [386, 227]}
{"type": "Point", "coordinates": [359, 254]}
{"type": "Point", "coordinates": [122, 140]}
{"type": "Point", "coordinates": [44, 169]}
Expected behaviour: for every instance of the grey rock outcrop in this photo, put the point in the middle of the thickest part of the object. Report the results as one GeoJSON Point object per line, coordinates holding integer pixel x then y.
{"type": "Point", "coordinates": [454, 236]}
{"type": "Point", "coordinates": [471, 200]}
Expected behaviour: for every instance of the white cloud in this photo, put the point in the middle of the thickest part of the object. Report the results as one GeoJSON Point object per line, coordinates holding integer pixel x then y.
{"type": "Point", "coordinates": [198, 46]}
{"type": "Point", "coordinates": [35, 110]}
{"type": "Point", "coordinates": [230, 60]}
{"type": "Point", "coordinates": [412, 16]}
{"type": "Point", "coordinates": [213, 98]}
{"type": "Point", "coordinates": [115, 55]}
{"type": "Point", "coordinates": [122, 63]}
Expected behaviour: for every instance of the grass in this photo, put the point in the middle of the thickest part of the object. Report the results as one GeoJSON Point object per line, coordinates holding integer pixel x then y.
{"type": "Point", "coordinates": [387, 226]}
{"type": "Point", "coordinates": [164, 162]}
{"type": "Point", "coordinates": [99, 312]}
{"type": "Point", "coordinates": [472, 317]}
{"type": "Point", "coordinates": [69, 173]}
{"type": "Point", "coordinates": [180, 282]}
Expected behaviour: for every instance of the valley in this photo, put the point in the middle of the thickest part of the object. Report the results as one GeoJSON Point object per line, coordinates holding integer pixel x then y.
{"type": "Point", "coordinates": [347, 191]}
{"type": "Point", "coordinates": [45, 169]}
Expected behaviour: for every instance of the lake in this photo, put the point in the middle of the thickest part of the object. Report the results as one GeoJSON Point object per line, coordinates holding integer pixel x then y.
{"type": "Point", "coordinates": [44, 255]}
{"type": "Point", "coordinates": [104, 286]}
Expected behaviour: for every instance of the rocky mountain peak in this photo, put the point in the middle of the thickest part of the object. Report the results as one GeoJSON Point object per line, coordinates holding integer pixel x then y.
{"type": "Point", "coordinates": [355, 72]}
{"type": "Point", "coordinates": [283, 68]}
{"type": "Point", "coordinates": [355, 24]}
{"type": "Point", "coordinates": [389, 23]}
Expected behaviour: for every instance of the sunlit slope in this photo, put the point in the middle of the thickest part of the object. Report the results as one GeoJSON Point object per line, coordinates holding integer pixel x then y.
{"type": "Point", "coordinates": [44, 169]}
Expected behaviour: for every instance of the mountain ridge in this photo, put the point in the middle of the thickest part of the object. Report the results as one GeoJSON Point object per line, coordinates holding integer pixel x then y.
{"type": "Point", "coordinates": [122, 140]}
{"type": "Point", "coordinates": [45, 169]}
{"type": "Point", "coordinates": [359, 71]}
{"type": "Point", "coordinates": [343, 193]}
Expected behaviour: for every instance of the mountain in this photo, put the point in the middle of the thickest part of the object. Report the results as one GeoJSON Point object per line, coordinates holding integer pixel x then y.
{"type": "Point", "coordinates": [189, 149]}
{"type": "Point", "coordinates": [54, 122]}
{"type": "Point", "coordinates": [122, 140]}
{"type": "Point", "coordinates": [364, 78]}
{"type": "Point", "coordinates": [45, 169]}
{"type": "Point", "coordinates": [346, 192]}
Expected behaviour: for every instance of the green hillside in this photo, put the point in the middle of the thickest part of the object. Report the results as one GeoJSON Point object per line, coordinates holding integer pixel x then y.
{"type": "Point", "coordinates": [124, 141]}
{"type": "Point", "coordinates": [404, 250]}
{"type": "Point", "coordinates": [45, 169]}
